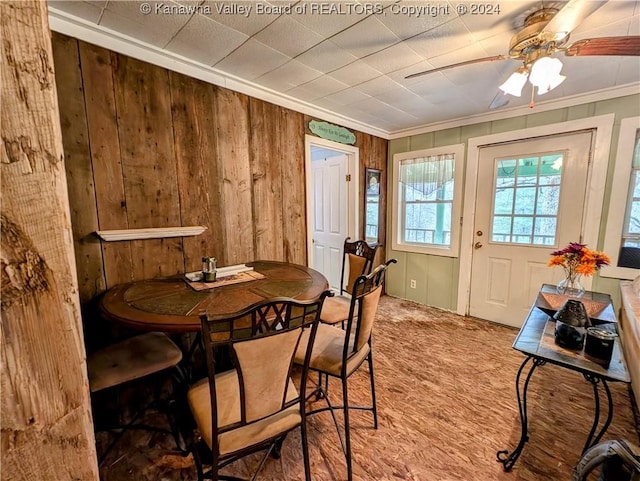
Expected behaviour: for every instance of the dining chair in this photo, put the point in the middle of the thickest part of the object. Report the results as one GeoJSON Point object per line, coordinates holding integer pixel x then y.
{"type": "Point", "coordinates": [252, 406]}
{"type": "Point", "coordinates": [340, 352]}
{"type": "Point", "coordinates": [358, 258]}
{"type": "Point", "coordinates": [129, 360]}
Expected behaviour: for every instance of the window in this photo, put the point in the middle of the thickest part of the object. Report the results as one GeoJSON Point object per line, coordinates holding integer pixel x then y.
{"type": "Point", "coordinates": [526, 200]}
{"type": "Point", "coordinates": [622, 237]}
{"type": "Point", "coordinates": [426, 204]}
{"type": "Point", "coordinates": [631, 228]}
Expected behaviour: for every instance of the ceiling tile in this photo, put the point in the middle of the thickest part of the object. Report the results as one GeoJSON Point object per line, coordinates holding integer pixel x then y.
{"type": "Point", "coordinates": [354, 64]}
{"type": "Point", "coordinates": [378, 85]}
{"type": "Point", "coordinates": [400, 98]}
{"type": "Point", "coordinates": [240, 15]}
{"type": "Point", "coordinates": [469, 52]}
{"type": "Point", "coordinates": [88, 10]}
{"type": "Point", "coordinates": [328, 23]}
{"type": "Point", "coordinates": [251, 60]}
{"type": "Point", "coordinates": [393, 58]}
{"type": "Point", "coordinates": [607, 19]}
{"type": "Point", "coordinates": [399, 75]}
{"type": "Point", "coordinates": [404, 22]}
{"type": "Point", "coordinates": [317, 88]}
{"type": "Point", "coordinates": [288, 76]}
{"type": "Point", "coordinates": [288, 36]}
{"type": "Point", "coordinates": [628, 71]}
{"type": "Point", "coordinates": [355, 73]}
{"type": "Point", "coordinates": [195, 39]}
{"type": "Point", "coordinates": [326, 57]}
{"type": "Point", "coordinates": [157, 27]}
{"type": "Point", "coordinates": [365, 38]}
{"type": "Point", "coordinates": [348, 96]}
{"type": "Point", "coordinates": [441, 40]}
{"type": "Point", "coordinates": [498, 18]}
{"type": "Point", "coordinates": [430, 84]}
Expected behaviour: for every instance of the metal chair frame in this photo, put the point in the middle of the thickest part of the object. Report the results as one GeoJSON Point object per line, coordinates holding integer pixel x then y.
{"type": "Point", "coordinates": [359, 248]}
{"type": "Point", "coordinates": [272, 317]}
{"type": "Point", "coordinates": [164, 405]}
{"type": "Point", "coordinates": [364, 285]}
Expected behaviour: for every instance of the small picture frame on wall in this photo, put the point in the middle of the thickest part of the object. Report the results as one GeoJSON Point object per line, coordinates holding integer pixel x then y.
{"type": "Point", "coordinates": [372, 205]}
{"type": "Point", "coordinates": [373, 181]}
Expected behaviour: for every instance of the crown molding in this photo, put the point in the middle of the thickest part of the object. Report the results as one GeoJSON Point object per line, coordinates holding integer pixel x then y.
{"type": "Point", "coordinates": [603, 94]}
{"type": "Point", "coordinates": [86, 31]}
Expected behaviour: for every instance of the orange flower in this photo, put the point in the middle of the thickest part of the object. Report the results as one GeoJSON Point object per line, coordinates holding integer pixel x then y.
{"type": "Point", "coordinates": [578, 259]}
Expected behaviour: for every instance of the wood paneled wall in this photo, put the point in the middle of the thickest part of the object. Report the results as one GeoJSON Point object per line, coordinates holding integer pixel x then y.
{"type": "Point", "coordinates": [147, 147]}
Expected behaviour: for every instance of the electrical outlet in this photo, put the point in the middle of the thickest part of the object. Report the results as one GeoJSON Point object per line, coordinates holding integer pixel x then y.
{"type": "Point", "coordinates": [413, 283]}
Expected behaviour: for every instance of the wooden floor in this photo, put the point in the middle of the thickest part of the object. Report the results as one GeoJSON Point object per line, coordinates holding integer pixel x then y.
{"type": "Point", "coordinates": [446, 401]}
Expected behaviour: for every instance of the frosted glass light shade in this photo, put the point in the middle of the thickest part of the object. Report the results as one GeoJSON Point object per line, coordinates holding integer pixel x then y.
{"type": "Point", "coordinates": [545, 74]}
{"type": "Point", "coordinates": [513, 85]}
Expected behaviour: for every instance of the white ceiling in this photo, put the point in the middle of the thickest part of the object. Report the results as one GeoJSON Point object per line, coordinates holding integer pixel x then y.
{"type": "Point", "coordinates": [348, 63]}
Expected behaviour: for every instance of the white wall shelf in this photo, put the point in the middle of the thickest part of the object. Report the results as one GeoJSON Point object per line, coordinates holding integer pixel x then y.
{"type": "Point", "coordinates": [150, 233]}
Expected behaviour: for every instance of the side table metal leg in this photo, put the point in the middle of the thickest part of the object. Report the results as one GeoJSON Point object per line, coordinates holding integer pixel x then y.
{"type": "Point", "coordinates": [508, 460]}
{"type": "Point", "coordinates": [595, 381]}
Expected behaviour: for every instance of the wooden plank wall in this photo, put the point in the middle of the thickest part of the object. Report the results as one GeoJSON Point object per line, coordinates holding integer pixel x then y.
{"type": "Point", "coordinates": [154, 148]}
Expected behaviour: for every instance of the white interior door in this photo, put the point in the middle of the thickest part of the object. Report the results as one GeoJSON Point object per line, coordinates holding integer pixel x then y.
{"type": "Point", "coordinates": [530, 201]}
{"type": "Point", "coordinates": [329, 193]}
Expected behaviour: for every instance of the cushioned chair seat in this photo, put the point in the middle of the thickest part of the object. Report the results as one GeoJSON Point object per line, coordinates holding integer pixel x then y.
{"type": "Point", "coordinates": [327, 351]}
{"type": "Point", "coordinates": [336, 309]}
{"type": "Point", "coordinates": [131, 359]}
{"type": "Point", "coordinates": [228, 395]}
{"type": "Point", "coordinates": [358, 257]}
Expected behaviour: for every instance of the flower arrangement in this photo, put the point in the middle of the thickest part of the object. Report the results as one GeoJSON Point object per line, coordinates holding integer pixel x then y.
{"type": "Point", "coordinates": [578, 259]}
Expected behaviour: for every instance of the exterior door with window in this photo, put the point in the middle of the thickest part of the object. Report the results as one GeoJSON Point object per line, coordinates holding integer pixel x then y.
{"type": "Point", "coordinates": [530, 200]}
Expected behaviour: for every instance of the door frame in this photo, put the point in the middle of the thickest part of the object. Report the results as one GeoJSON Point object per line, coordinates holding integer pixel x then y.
{"type": "Point", "coordinates": [596, 181]}
{"type": "Point", "coordinates": [353, 187]}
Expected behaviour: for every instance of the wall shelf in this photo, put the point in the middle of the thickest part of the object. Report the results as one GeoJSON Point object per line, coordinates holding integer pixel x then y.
{"type": "Point", "coordinates": [150, 233]}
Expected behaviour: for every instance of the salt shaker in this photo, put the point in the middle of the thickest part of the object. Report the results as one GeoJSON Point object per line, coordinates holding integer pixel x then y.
{"type": "Point", "coordinates": [208, 269]}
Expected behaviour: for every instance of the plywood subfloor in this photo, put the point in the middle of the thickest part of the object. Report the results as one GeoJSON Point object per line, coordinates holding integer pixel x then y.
{"type": "Point", "coordinates": [446, 403]}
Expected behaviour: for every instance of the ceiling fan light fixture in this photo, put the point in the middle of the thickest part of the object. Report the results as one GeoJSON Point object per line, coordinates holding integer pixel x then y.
{"type": "Point", "coordinates": [545, 74]}
{"type": "Point", "coordinates": [515, 83]}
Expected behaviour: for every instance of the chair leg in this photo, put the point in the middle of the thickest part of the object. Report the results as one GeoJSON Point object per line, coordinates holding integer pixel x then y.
{"type": "Point", "coordinates": [347, 437]}
{"type": "Point", "coordinates": [374, 406]}
{"type": "Point", "coordinates": [195, 452]}
{"type": "Point", "coordinates": [305, 450]}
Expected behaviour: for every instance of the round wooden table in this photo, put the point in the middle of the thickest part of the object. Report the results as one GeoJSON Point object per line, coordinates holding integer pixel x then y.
{"type": "Point", "coordinates": [170, 305]}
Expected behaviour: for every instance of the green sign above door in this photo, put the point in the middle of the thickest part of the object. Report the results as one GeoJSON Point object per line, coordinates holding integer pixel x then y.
{"type": "Point", "coordinates": [332, 132]}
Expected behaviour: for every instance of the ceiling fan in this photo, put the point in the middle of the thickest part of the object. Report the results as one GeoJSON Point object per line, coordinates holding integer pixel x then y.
{"type": "Point", "coordinates": [545, 33]}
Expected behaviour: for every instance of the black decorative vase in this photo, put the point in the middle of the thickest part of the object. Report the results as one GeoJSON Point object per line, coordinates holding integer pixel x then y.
{"type": "Point", "coordinates": [571, 325]}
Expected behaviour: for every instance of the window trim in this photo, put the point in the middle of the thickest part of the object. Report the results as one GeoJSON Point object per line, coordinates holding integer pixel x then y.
{"type": "Point", "coordinates": [456, 210]}
{"type": "Point", "coordinates": [618, 200]}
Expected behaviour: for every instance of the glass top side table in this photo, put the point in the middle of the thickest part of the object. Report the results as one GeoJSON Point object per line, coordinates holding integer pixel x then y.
{"type": "Point", "coordinates": [536, 341]}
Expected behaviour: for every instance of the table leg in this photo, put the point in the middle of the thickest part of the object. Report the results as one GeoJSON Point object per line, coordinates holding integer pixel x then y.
{"type": "Point", "coordinates": [508, 460]}
{"type": "Point", "coordinates": [595, 381]}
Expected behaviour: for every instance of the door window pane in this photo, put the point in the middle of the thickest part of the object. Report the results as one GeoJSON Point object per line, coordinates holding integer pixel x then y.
{"type": "Point", "coordinates": [526, 198]}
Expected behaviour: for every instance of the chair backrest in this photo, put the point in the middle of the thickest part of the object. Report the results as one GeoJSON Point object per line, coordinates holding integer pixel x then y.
{"type": "Point", "coordinates": [261, 342]}
{"type": "Point", "coordinates": [364, 305]}
{"type": "Point", "coordinates": [359, 256]}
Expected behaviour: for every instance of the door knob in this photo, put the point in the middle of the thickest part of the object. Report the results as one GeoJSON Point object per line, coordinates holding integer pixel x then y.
{"type": "Point", "coordinates": [477, 245]}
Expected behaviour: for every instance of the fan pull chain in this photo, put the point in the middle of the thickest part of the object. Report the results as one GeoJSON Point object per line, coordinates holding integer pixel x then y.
{"type": "Point", "coordinates": [533, 92]}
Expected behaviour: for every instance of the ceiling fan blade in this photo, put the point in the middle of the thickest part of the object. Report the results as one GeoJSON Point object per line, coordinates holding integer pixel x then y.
{"type": "Point", "coordinates": [605, 46]}
{"type": "Point", "coordinates": [570, 16]}
{"type": "Point", "coordinates": [460, 64]}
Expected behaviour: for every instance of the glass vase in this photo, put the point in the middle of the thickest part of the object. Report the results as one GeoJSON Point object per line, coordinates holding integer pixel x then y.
{"type": "Point", "coordinates": [570, 286]}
